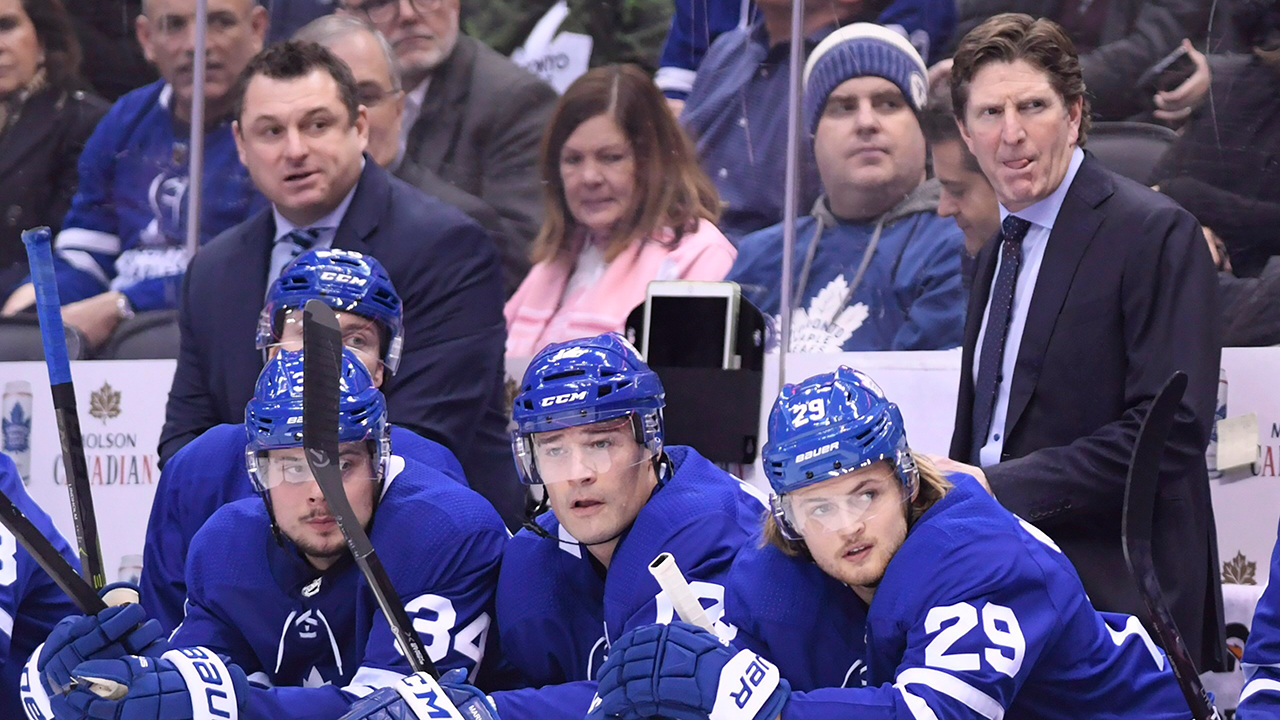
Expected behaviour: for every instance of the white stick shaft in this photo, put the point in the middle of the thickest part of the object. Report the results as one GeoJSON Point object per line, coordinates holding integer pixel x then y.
{"type": "Point", "coordinates": [672, 582]}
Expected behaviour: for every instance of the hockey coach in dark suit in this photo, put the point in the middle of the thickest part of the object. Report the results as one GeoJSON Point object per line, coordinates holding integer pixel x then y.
{"type": "Point", "coordinates": [302, 135]}
{"type": "Point", "coordinates": [1094, 292]}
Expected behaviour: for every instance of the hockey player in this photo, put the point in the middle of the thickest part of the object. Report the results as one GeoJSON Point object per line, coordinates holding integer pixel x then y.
{"type": "Point", "coordinates": [971, 612]}
{"type": "Point", "coordinates": [590, 433]}
{"type": "Point", "coordinates": [1260, 697]}
{"type": "Point", "coordinates": [273, 589]}
{"type": "Point", "coordinates": [210, 471]}
{"type": "Point", "coordinates": [30, 602]}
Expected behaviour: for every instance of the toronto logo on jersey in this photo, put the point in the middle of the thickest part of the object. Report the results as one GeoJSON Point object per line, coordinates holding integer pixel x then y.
{"type": "Point", "coordinates": [308, 654]}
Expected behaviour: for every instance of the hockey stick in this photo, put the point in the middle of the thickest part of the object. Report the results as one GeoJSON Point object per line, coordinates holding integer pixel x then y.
{"type": "Point", "coordinates": [321, 363]}
{"type": "Point", "coordinates": [1139, 515]}
{"type": "Point", "coordinates": [49, 311]}
{"type": "Point", "coordinates": [671, 580]}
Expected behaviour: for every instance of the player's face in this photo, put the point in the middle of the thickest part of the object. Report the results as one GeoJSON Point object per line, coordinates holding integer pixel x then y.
{"type": "Point", "coordinates": [853, 524]}
{"type": "Point", "coordinates": [598, 171]}
{"type": "Point", "coordinates": [1021, 131]}
{"type": "Point", "coordinates": [362, 53]}
{"type": "Point", "coordinates": [166, 31]}
{"type": "Point", "coordinates": [20, 51]}
{"type": "Point", "coordinates": [966, 195]}
{"type": "Point", "coordinates": [597, 478]}
{"type": "Point", "coordinates": [299, 505]}
{"type": "Point", "coordinates": [359, 334]}
{"type": "Point", "coordinates": [868, 145]}
{"type": "Point", "coordinates": [299, 144]}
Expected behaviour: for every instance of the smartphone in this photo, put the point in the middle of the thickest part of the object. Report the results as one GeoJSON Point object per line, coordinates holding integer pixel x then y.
{"type": "Point", "coordinates": [691, 324]}
{"type": "Point", "coordinates": [1171, 71]}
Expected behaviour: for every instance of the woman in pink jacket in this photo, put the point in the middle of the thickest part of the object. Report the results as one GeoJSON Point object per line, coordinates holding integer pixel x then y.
{"type": "Point", "coordinates": [626, 203]}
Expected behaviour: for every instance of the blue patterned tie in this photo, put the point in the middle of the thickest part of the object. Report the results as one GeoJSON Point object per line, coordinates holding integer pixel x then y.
{"type": "Point", "coordinates": [1000, 310]}
{"type": "Point", "coordinates": [290, 246]}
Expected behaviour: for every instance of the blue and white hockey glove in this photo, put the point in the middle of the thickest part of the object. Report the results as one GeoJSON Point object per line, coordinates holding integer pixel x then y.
{"type": "Point", "coordinates": [419, 697]}
{"type": "Point", "coordinates": [683, 672]}
{"type": "Point", "coordinates": [114, 632]}
{"type": "Point", "coordinates": [185, 684]}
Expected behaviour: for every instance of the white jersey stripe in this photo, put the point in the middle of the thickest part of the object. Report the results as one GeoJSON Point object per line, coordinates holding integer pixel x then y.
{"type": "Point", "coordinates": [953, 687]}
{"type": "Point", "coordinates": [1259, 685]}
{"type": "Point", "coordinates": [920, 709]}
{"type": "Point", "coordinates": [368, 679]}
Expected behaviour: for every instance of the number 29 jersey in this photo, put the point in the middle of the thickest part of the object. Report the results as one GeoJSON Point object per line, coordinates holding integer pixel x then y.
{"type": "Point", "coordinates": [979, 615]}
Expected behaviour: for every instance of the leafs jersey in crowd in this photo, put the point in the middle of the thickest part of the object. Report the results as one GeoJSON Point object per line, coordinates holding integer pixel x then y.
{"type": "Point", "coordinates": [558, 609]}
{"type": "Point", "coordinates": [979, 615]}
{"type": "Point", "coordinates": [1260, 697]}
{"type": "Point", "coordinates": [786, 609]}
{"type": "Point", "coordinates": [30, 603]}
{"type": "Point", "coordinates": [126, 228]}
{"type": "Point", "coordinates": [321, 634]}
{"type": "Point", "coordinates": [207, 474]}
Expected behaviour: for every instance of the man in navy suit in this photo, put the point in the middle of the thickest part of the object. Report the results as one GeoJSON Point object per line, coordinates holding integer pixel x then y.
{"type": "Point", "coordinates": [302, 136]}
{"type": "Point", "coordinates": [1094, 292]}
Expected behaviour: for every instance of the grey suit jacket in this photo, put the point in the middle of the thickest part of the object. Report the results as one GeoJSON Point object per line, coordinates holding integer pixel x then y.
{"type": "Point", "coordinates": [475, 146]}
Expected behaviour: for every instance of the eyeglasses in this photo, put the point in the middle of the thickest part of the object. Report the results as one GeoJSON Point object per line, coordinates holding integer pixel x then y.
{"type": "Point", "coordinates": [388, 11]}
{"type": "Point", "coordinates": [371, 95]}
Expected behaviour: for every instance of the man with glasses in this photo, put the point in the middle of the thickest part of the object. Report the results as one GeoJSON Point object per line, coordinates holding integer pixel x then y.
{"type": "Point", "coordinates": [122, 248]}
{"type": "Point", "coordinates": [472, 122]}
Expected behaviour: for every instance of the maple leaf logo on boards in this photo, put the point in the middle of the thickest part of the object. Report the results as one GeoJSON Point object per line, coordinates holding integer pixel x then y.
{"type": "Point", "coordinates": [16, 430]}
{"type": "Point", "coordinates": [104, 403]}
{"type": "Point", "coordinates": [1240, 570]}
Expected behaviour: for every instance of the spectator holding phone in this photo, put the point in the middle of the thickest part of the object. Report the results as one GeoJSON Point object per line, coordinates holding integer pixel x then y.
{"type": "Point", "coordinates": [625, 203]}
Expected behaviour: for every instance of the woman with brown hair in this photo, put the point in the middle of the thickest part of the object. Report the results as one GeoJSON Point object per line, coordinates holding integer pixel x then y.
{"type": "Point", "coordinates": [45, 118]}
{"type": "Point", "coordinates": [626, 203]}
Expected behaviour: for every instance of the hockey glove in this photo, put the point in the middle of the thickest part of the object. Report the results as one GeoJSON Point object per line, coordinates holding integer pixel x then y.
{"type": "Point", "coordinates": [683, 672]}
{"type": "Point", "coordinates": [185, 684]}
{"type": "Point", "coordinates": [114, 632]}
{"type": "Point", "coordinates": [418, 697]}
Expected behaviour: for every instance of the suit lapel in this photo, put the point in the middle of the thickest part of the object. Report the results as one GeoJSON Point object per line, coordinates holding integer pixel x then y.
{"type": "Point", "coordinates": [1073, 230]}
{"type": "Point", "coordinates": [31, 130]}
{"type": "Point", "coordinates": [366, 208]}
{"type": "Point", "coordinates": [432, 136]}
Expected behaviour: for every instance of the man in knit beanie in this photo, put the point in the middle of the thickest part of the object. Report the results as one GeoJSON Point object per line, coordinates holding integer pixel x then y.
{"type": "Point", "coordinates": [875, 267]}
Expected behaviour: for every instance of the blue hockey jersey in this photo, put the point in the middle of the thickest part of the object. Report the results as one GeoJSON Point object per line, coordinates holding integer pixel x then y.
{"type": "Point", "coordinates": [312, 642]}
{"type": "Point", "coordinates": [558, 609]}
{"type": "Point", "coordinates": [206, 474]}
{"type": "Point", "coordinates": [812, 626]}
{"type": "Point", "coordinates": [1260, 697]}
{"type": "Point", "coordinates": [979, 615]}
{"type": "Point", "coordinates": [126, 229]}
{"type": "Point", "coordinates": [30, 603]}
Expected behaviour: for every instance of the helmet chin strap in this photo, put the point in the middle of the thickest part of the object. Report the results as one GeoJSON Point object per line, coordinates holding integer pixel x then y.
{"type": "Point", "coordinates": [534, 508]}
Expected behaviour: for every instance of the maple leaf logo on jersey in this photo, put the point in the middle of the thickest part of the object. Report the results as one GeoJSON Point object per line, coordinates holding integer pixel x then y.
{"type": "Point", "coordinates": [825, 326]}
{"type": "Point", "coordinates": [1240, 570]}
{"type": "Point", "coordinates": [104, 403]}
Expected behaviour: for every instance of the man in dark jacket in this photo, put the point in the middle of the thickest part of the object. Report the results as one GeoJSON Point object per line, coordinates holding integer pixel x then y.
{"type": "Point", "coordinates": [325, 192]}
{"type": "Point", "coordinates": [473, 122]}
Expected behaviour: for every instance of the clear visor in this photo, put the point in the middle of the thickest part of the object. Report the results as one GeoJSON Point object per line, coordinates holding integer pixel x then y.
{"type": "Point", "coordinates": [273, 468]}
{"type": "Point", "coordinates": [840, 504]}
{"type": "Point", "coordinates": [360, 335]}
{"type": "Point", "coordinates": [586, 451]}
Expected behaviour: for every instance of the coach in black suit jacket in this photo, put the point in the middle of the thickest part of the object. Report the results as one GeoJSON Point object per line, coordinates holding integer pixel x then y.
{"type": "Point", "coordinates": [1125, 295]}
{"type": "Point", "coordinates": [305, 155]}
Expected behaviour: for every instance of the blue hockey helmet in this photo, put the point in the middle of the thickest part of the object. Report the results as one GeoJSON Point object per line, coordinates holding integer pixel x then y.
{"type": "Point", "coordinates": [273, 417]}
{"type": "Point", "coordinates": [830, 425]}
{"type": "Point", "coordinates": [582, 382]}
{"type": "Point", "coordinates": [344, 280]}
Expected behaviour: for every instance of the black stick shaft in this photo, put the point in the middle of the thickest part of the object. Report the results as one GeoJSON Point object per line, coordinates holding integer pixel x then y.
{"type": "Point", "coordinates": [77, 469]}
{"type": "Point", "coordinates": [48, 557]}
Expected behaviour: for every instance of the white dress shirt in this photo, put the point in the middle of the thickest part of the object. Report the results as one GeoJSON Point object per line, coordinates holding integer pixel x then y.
{"type": "Point", "coordinates": [1041, 215]}
{"type": "Point", "coordinates": [413, 101]}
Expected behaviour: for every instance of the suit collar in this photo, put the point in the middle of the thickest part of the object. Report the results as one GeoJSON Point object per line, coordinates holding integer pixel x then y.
{"type": "Point", "coordinates": [430, 138]}
{"type": "Point", "coordinates": [368, 204]}
{"type": "Point", "coordinates": [1077, 223]}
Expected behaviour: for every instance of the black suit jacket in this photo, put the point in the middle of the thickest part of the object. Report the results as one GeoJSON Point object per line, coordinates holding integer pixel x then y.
{"type": "Point", "coordinates": [1126, 295]}
{"type": "Point", "coordinates": [450, 383]}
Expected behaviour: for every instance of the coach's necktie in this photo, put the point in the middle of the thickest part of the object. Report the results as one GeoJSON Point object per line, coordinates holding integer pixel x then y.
{"type": "Point", "coordinates": [290, 246]}
{"type": "Point", "coordinates": [999, 311]}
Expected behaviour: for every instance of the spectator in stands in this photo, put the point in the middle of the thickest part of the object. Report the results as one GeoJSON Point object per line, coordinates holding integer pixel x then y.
{"type": "Point", "coordinates": [108, 38]}
{"type": "Point", "coordinates": [122, 248]}
{"type": "Point", "coordinates": [966, 194]}
{"type": "Point", "coordinates": [696, 24]}
{"type": "Point", "coordinates": [45, 118]}
{"type": "Point", "coordinates": [1223, 167]}
{"type": "Point", "coordinates": [877, 269]}
{"type": "Point", "coordinates": [373, 64]}
{"type": "Point", "coordinates": [734, 111]}
{"type": "Point", "coordinates": [287, 17]}
{"type": "Point", "coordinates": [1118, 40]}
{"type": "Point", "coordinates": [302, 135]}
{"type": "Point", "coordinates": [626, 203]}
{"type": "Point", "coordinates": [472, 122]}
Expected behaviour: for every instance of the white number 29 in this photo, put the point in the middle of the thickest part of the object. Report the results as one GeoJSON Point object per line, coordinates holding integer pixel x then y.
{"type": "Point", "coordinates": [998, 622]}
{"type": "Point", "coordinates": [815, 409]}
